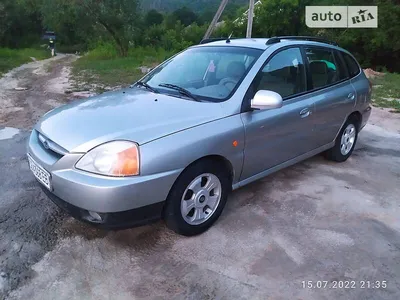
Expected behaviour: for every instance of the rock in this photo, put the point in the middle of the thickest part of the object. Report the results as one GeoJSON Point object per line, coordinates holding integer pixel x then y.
{"type": "Point", "coordinates": [20, 88]}
{"type": "Point", "coordinates": [371, 73]}
{"type": "Point", "coordinates": [83, 94]}
{"type": "Point", "coordinates": [144, 69]}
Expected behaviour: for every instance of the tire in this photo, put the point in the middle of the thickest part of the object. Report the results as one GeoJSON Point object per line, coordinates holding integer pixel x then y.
{"type": "Point", "coordinates": [200, 191]}
{"type": "Point", "coordinates": [345, 142]}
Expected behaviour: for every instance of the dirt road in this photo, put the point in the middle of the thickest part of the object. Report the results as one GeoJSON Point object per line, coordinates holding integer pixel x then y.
{"type": "Point", "coordinates": [27, 223]}
{"type": "Point", "coordinates": [29, 91]}
{"type": "Point", "coordinates": [316, 221]}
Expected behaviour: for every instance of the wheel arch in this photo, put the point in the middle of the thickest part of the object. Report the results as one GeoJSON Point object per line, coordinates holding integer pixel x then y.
{"type": "Point", "coordinates": [225, 163]}
{"type": "Point", "coordinates": [357, 116]}
{"type": "Point", "coordinates": [219, 159]}
{"type": "Point", "coordinates": [215, 158]}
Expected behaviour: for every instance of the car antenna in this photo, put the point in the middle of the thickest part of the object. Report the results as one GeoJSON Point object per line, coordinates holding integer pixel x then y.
{"type": "Point", "coordinates": [229, 38]}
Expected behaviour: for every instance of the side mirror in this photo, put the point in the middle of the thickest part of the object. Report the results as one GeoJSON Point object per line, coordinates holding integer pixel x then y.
{"type": "Point", "coordinates": [266, 100]}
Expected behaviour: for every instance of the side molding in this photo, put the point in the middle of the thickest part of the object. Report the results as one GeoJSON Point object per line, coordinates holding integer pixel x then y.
{"type": "Point", "coordinates": [282, 165]}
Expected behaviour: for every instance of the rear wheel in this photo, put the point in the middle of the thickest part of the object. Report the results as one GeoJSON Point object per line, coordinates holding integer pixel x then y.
{"type": "Point", "coordinates": [345, 142]}
{"type": "Point", "coordinates": [197, 198]}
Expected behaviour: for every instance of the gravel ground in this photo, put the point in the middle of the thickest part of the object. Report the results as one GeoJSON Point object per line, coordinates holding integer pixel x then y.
{"type": "Point", "coordinates": [316, 221]}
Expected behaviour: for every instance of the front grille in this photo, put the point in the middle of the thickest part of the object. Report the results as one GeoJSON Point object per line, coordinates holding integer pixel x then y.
{"type": "Point", "coordinates": [51, 147]}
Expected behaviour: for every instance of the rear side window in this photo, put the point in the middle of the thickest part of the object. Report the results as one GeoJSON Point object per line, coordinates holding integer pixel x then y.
{"type": "Point", "coordinates": [352, 65]}
{"type": "Point", "coordinates": [343, 73]}
{"type": "Point", "coordinates": [323, 67]}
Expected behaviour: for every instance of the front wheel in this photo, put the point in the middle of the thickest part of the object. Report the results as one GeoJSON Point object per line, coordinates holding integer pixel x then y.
{"type": "Point", "coordinates": [345, 142]}
{"type": "Point", "coordinates": [197, 198]}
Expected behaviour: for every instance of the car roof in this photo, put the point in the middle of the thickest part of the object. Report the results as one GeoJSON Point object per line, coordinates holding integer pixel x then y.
{"type": "Point", "coordinates": [261, 43]}
{"type": "Point", "coordinates": [258, 43]}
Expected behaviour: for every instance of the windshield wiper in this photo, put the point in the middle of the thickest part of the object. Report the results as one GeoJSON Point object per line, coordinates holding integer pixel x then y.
{"type": "Point", "coordinates": [144, 84]}
{"type": "Point", "coordinates": [181, 90]}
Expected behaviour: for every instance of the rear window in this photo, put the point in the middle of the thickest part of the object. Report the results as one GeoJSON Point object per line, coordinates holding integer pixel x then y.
{"type": "Point", "coordinates": [352, 65]}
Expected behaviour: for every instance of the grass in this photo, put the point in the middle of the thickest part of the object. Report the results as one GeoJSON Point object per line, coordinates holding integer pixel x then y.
{"type": "Point", "coordinates": [386, 91]}
{"type": "Point", "coordinates": [102, 68]}
{"type": "Point", "coordinates": [11, 58]}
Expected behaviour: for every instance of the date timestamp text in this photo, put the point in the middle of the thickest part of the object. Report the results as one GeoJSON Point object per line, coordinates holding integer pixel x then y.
{"type": "Point", "coordinates": [344, 284]}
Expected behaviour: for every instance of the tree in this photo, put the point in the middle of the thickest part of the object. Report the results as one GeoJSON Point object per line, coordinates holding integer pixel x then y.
{"type": "Point", "coordinates": [153, 35]}
{"type": "Point", "coordinates": [185, 16]}
{"type": "Point", "coordinates": [206, 16]}
{"type": "Point", "coordinates": [69, 21]}
{"type": "Point", "coordinates": [153, 17]}
{"type": "Point", "coordinates": [20, 23]}
{"type": "Point", "coordinates": [279, 17]}
{"type": "Point", "coordinates": [119, 18]}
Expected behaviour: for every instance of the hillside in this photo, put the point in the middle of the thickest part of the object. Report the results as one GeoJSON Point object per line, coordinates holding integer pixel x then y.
{"type": "Point", "coordinates": [195, 5]}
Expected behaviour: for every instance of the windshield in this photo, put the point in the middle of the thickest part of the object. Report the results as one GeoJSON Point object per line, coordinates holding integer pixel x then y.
{"type": "Point", "coordinates": [208, 73]}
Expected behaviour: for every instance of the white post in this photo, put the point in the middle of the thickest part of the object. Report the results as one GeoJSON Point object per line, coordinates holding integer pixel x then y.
{"type": "Point", "coordinates": [215, 19]}
{"type": "Point", "coordinates": [250, 19]}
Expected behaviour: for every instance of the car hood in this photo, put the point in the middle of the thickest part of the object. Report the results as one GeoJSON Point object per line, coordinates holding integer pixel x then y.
{"type": "Point", "coordinates": [133, 114]}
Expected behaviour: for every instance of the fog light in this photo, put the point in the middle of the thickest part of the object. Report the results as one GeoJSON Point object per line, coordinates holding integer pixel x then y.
{"type": "Point", "coordinates": [95, 216]}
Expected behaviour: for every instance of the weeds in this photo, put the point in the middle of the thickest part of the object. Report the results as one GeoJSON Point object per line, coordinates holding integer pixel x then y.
{"type": "Point", "coordinates": [11, 58]}
{"type": "Point", "coordinates": [102, 67]}
{"type": "Point", "coordinates": [386, 91]}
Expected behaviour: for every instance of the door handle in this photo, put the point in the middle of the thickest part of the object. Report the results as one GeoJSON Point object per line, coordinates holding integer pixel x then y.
{"type": "Point", "coordinates": [305, 112]}
{"type": "Point", "coordinates": [351, 96]}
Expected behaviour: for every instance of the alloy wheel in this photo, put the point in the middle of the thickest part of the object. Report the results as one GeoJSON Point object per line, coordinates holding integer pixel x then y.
{"type": "Point", "coordinates": [348, 139]}
{"type": "Point", "coordinates": [201, 199]}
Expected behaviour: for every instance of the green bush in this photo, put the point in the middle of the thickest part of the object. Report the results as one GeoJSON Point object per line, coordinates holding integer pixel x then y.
{"type": "Point", "coordinates": [65, 48]}
{"type": "Point", "coordinates": [111, 27]}
{"type": "Point", "coordinates": [102, 51]}
{"type": "Point", "coordinates": [104, 68]}
{"type": "Point", "coordinates": [11, 58]}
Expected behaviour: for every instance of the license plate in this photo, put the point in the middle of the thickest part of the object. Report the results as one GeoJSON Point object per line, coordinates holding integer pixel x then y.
{"type": "Point", "coordinates": [41, 174]}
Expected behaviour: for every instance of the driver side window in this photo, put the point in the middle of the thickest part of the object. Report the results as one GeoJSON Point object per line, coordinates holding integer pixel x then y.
{"type": "Point", "coordinates": [284, 74]}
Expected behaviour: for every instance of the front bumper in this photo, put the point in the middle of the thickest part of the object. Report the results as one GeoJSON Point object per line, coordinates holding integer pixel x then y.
{"type": "Point", "coordinates": [119, 220]}
{"type": "Point", "coordinates": [81, 192]}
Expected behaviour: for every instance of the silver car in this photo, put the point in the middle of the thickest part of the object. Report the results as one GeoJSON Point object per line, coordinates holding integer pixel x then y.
{"type": "Point", "coordinates": [211, 119]}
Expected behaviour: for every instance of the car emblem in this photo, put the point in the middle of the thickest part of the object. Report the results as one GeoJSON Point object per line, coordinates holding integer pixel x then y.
{"type": "Point", "coordinates": [46, 145]}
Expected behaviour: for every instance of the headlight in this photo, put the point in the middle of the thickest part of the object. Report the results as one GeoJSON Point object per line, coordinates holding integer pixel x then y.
{"type": "Point", "coordinates": [119, 158]}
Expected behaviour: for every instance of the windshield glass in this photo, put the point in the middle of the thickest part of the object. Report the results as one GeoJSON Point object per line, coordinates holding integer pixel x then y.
{"type": "Point", "coordinates": [209, 73]}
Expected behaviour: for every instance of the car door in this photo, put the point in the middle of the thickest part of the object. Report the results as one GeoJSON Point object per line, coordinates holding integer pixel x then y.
{"type": "Point", "coordinates": [331, 90]}
{"type": "Point", "coordinates": [278, 135]}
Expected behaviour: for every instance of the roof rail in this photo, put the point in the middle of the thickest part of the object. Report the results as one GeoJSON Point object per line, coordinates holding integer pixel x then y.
{"type": "Point", "coordinates": [206, 41]}
{"type": "Point", "coordinates": [277, 39]}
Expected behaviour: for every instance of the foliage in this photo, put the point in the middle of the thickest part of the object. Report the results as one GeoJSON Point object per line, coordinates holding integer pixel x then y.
{"type": "Point", "coordinates": [184, 15]}
{"type": "Point", "coordinates": [386, 91]}
{"type": "Point", "coordinates": [119, 18]}
{"type": "Point", "coordinates": [19, 22]}
{"type": "Point", "coordinates": [153, 17]}
{"type": "Point", "coordinates": [102, 66]}
{"type": "Point", "coordinates": [199, 6]}
{"type": "Point", "coordinates": [83, 25]}
{"type": "Point", "coordinates": [372, 47]}
{"type": "Point", "coordinates": [11, 58]}
{"type": "Point", "coordinates": [176, 38]}
{"type": "Point", "coordinates": [69, 21]}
